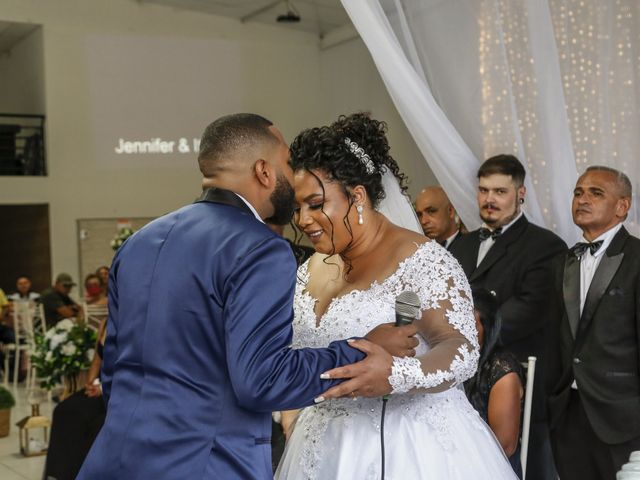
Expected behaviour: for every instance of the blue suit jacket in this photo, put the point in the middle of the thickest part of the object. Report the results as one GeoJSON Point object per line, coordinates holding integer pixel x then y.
{"type": "Point", "coordinates": [197, 352]}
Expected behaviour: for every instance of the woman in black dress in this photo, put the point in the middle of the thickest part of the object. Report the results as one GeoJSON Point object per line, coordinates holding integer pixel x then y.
{"type": "Point", "coordinates": [77, 420]}
{"type": "Point", "coordinates": [496, 391]}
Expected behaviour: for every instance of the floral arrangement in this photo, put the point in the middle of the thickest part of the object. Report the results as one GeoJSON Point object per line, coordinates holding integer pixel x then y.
{"type": "Point", "coordinates": [120, 237]}
{"type": "Point", "coordinates": [65, 350]}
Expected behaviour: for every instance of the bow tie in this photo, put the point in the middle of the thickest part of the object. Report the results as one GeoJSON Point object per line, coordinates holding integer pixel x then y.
{"type": "Point", "coordinates": [579, 248]}
{"type": "Point", "coordinates": [485, 233]}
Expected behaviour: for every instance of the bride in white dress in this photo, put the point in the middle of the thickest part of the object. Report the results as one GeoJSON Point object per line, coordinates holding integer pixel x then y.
{"type": "Point", "coordinates": [363, 262]}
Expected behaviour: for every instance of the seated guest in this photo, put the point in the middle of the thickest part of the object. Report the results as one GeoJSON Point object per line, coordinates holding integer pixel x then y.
{"type": "Point", "coordinates": [56, 301]}
{"type": "Point", "coordinates": [23, 297]}
{"type": "Point", "coordinates": [77, 420]}
{"type": "Point", "coordinates": [4, 304]}
{"type": "Point", "coordinates": [103, 273]}
{"type": "Point", "coordinates": [496, 390]}
{"type": "Point", "coordinates": [94, 290]}
{"type": "Point", "coordinates": [23, 291]}
{"type": "Point", "coordinates": [6, 330]}
{"type": "Point", "coordinates": [437, 216]}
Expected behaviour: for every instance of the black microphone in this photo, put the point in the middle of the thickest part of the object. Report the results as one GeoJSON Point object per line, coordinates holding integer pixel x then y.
{"type": "Point", "coordinates": [407, 308]}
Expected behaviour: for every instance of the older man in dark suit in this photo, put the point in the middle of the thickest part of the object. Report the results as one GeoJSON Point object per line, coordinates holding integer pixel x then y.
{"type": "Point", "coordinates": [512, 258]}
{"type": "Point", "coordinates": [595, 399]}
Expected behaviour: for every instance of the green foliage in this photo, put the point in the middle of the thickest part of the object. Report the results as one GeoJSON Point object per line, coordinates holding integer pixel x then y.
{"type": "Point", "coordinates": [120, 237]}
{"type": "Point", "coordinates": [6, 398]}
{"type": "Point", "coordinates": [65, 350]}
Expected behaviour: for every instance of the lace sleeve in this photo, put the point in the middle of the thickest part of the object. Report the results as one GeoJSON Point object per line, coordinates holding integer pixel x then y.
{"type": "Point", "coordinates": [447, 325]}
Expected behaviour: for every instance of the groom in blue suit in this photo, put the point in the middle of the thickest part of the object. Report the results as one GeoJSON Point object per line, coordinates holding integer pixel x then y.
{"type": "Point", "coordinates": [200, 307]}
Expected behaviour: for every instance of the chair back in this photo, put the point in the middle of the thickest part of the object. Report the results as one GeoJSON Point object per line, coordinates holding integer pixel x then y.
{"type": "Point", "coordinates": [526, 417]}
{"type": "Point", "coordinates": [94, 315]}
{"type": "Point", "coordinates": [23, 321]}
{"type": "Point", "coordinates": [39, 322]}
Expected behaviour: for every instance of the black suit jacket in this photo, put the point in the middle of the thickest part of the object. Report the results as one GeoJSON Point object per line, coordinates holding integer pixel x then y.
{"type": "Point", "coordinates": [456, 240]}
{"type": "Point", "coordinates": [518, 268]}
{"type": "Point", "coordinates": [600, 348]}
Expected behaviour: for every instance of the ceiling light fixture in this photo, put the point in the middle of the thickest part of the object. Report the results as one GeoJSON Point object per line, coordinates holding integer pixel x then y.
{"type": "Point", "coordinates": [292, 15]}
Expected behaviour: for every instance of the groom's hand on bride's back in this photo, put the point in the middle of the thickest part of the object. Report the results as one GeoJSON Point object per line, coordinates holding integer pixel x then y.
{"type": "Point", "coordinates": [397, 341]}
{"type": "Point", "coordinates": [366, 378]}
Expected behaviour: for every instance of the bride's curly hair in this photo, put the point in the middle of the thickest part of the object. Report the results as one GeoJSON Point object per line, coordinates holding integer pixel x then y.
{"type": "Point", "coordinates": [325, 149]}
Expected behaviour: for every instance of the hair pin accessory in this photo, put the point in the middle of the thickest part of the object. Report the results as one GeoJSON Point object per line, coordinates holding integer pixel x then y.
{"type": "Point", "coordinates": [360, 155]}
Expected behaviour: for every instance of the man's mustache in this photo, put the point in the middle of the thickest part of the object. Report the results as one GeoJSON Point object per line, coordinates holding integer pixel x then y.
{"type": "Point", "coordinates": [489, 205]}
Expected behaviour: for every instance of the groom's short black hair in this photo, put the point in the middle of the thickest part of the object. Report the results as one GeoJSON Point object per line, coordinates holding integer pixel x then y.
{"type": "Point", "coordinates": [504, 164]}
{"type": "Point", "coordinates": [229, 135]}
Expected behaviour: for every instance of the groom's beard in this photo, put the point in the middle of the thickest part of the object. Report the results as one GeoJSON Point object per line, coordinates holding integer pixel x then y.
{"type": "Point", "coordinates": [282, 201]}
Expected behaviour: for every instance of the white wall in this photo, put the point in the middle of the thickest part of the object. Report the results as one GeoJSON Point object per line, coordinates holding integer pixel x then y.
{"type": "Point", "coordinates": [282, 82]}
{"type": "Point", "coordinates": [22, 76]}
{"type": "Point", "coordinates": [288, 79]}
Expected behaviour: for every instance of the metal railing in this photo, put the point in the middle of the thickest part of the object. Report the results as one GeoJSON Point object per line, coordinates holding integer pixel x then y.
{"type": "Point", "coordinates": [22, 150]}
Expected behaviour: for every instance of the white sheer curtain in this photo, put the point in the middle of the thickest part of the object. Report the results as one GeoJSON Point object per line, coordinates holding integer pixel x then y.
{"type": "Point", "coordinates": [554, 82]}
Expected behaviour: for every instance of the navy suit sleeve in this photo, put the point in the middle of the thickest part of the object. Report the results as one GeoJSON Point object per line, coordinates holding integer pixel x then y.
{"type": "Point", "coordinates": [110, 351]}
{"type": "Point", "coordinates": [266, 373]}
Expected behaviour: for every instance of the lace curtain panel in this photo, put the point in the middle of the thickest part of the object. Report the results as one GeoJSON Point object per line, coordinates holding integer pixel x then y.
{"type": "Point", "coordinates": [555, 82]}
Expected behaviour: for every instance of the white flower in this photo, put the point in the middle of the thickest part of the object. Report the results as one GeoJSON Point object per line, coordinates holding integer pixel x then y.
{"type": "Point", "coordinates": [57, 339]}
{"type": "Point", "coordinates": [49, 356]}
{"type": "Point", "coordinates": [65, 324]}
{"type": "Point", "coordinates": [90, 353]}
{"type": "Point", "coordinates": [68, 349]}
{"type": "Point", "coordinates": [50, 333]}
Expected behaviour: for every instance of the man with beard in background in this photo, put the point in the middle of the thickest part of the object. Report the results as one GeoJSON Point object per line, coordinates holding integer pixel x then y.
{"type": "Point", "coordinates": [512, 258]}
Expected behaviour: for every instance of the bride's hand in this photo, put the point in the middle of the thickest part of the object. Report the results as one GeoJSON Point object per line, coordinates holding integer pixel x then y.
{"type": "Point", "coordinates": [397, 341]}
{"type": "Point", "coordinates": [366, 378]}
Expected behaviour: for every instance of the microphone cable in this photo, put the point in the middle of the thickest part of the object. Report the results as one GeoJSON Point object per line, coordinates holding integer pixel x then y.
{"type": "Point", "coordinates": [384, 409]}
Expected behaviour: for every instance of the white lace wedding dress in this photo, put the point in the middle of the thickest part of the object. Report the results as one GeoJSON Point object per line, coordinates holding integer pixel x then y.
{"type": "Point", "coordinates": [430, 433]}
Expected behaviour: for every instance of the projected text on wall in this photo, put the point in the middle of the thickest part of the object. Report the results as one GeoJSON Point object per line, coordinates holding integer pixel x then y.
{"type": "Point", "coordinates": [156, 145]}
{"type": "Point", "coordinates": [151, 97]}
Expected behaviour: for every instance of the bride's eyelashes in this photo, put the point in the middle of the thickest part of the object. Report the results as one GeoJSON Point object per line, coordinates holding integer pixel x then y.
{"type": "Point", "coordinates": [315, 206]}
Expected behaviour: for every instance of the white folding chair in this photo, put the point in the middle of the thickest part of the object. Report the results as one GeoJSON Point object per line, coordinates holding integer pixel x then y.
{"type": "Point", "coordinates": [39, 325]}
{"type": "Point", "coordinates": [94, 315]}
{"type": "Point", "coordinates": [526, 417]}
{"type": "Point", "coordinates": [26, 316]}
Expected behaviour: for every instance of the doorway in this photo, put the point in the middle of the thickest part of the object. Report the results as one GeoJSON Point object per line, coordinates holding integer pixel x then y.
{"type": "Point", "coordinates": [25, 246]}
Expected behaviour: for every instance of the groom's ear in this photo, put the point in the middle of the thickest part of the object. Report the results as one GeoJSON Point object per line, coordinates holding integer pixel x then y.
{"type": "Point", "coordinates": [263, 172]}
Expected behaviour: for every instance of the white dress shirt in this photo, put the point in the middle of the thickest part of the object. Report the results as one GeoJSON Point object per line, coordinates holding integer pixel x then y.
{"type": "Point", "coordinates": [486, 245]}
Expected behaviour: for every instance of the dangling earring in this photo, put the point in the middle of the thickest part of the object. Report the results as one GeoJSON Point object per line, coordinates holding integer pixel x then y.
{"type": "Point", "coordinates": [359, 210]}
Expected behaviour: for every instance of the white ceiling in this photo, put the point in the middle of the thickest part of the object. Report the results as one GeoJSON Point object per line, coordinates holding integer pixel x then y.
{"type": "Point", "coordinates": [317, 16]}
{"type": "Point", "coordinates": [12, 33]}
